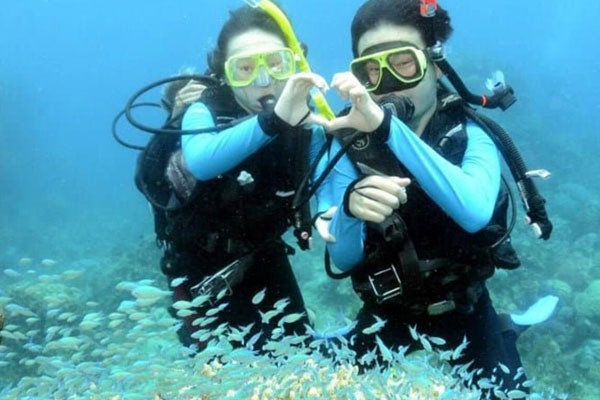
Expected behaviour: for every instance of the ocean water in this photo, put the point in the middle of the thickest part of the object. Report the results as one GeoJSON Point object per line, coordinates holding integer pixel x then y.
{"type": "Point", "coordinates": [73, 226]}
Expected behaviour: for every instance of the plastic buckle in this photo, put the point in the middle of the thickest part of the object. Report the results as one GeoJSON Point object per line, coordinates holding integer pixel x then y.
{"type": "Point", "coordinates": [441, 307]}
{"type": "Point", "coordinates": [386, 284]}
{"type": "Point", "coordinates": [214, 284]}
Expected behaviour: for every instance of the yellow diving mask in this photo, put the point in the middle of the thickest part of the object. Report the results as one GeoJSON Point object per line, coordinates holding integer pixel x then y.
{"type": "Point", "coordinates": [256, 68]}
{"type": "Point", "coordinates": [390, 67]}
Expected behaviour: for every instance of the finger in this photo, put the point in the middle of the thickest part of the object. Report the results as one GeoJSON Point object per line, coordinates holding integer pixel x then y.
{"type": "Point", "coordinates": [375, 207]}
{"type": "Point", "coordinates": [374, 200]}
{"type": "Point", "coordinates": [344, 88]}
{"type": "Point", "coordinates": [316, 119]}
{"type": "Point", "coordinates": [357, 92]}
{"type": "Point", "coordinates": [310, 79]}
{"type": "Point", "coordinates": [323, 230]}
{"type": "Point", "coordinates": [389, 196]}
{"type": "Point", "coordinates": [391, 184]}
{"type": "Point", "coordinates": [403, 197]}
{"type": "Point", "coordinates": [400, 181]}
{"type": "Point", "coordinates": [367, 215]}
{"type": "Point", "coordinates": [335, 125]}
{"type": "Point", "coordinates": [341, 77]}
{"type": "Point", "coordinates": [197, 89]}
{"type": "Point", "coordinates": [189, 96]}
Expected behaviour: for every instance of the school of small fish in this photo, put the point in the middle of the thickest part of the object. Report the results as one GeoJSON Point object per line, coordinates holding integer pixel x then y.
{"type": "Point", "coordinates": [62, 347]}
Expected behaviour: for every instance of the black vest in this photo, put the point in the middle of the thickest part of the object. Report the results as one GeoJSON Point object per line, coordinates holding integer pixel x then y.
{"type": "Point", "coordinates": [224, 220]}
{"type": "Point", "coordinates": [464, 259]}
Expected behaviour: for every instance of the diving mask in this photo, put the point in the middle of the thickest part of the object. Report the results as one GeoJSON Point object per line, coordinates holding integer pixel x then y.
{"type": "Point", "coordinates": [256, 68]}
{"type": "Point", "coordinates": [390, 67]}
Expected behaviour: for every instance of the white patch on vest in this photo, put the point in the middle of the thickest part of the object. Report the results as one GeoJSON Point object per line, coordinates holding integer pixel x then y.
{"type": "Point", "coordinates": [245, 178]}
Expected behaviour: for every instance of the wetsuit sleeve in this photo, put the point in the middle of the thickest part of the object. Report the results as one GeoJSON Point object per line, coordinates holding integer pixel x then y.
{"type": "Point", "coordinates": [207, 155]}
{"type": "Point", "coordinates": [466, 192]}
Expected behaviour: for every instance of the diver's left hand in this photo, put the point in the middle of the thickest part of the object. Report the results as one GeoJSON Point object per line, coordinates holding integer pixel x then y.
{"type": "Point", "coordinates": [322, 224]}
{"type": "Point", "coordinates": [365, 115]}
{"type": "Point", "coordinates": [186, 96]}
{"type": "Point", "coordinates": [292, 106]}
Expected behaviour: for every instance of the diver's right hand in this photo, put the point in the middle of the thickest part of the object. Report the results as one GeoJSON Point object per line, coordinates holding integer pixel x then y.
{"type": "Point", "coordinates": [374, 198]}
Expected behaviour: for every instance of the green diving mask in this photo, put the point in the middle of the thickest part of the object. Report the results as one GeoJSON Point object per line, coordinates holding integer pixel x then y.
{"type": "Point", "coordinates": [390, 67]}
{"type": "Point", "coordinates": [256, 68]}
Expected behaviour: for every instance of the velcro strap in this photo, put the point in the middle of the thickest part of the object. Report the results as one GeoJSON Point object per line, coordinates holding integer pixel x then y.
{"type": "Point", "coordinates": [409, 262]}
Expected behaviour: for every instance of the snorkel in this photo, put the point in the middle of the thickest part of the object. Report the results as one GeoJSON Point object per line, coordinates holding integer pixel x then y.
{"type": "Point", "coordinates": [503, 97]}
{"type": "Point", "coordinates": [302, 217]}
{"type": "Point", "coordinates": [292, 42]}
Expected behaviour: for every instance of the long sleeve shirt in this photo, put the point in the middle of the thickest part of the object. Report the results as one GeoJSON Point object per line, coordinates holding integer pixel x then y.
{"type": "Point", "coordinates": [467, 192]}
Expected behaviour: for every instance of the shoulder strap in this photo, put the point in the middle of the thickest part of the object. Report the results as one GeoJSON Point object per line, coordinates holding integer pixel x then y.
{"type": "Point", "coordinates": [302, 218]}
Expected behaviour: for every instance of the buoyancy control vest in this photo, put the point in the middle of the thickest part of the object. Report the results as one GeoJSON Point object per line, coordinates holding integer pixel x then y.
{"type": "Point", "coordinates": [432, 265]}
{"type": "Point", "coordinates": [225, 217]}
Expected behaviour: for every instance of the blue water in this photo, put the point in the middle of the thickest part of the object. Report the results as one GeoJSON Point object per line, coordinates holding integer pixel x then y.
{"type": "Point", "coordinates": [67, 67]}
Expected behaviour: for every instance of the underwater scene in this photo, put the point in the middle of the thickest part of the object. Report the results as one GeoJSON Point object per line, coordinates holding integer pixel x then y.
{"type": "Point", "coordinates": [85, 311]}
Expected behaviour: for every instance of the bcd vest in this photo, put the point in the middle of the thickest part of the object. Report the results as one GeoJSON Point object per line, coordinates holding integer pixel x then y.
{"type": "Point", "coordinates": [225, 219]}
{"type": "Point", "coordinates": [436, 266]}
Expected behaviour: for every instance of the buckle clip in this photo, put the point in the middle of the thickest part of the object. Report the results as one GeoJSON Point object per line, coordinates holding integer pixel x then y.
{"type": "Point", "coordinates": [213, 284]}
{"type": "Point", "coordinates": [386, 284]}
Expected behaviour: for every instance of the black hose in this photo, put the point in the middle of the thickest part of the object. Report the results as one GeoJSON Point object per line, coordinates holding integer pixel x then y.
{"type": "Point", "coordinates": [533, 202]}
{"type": "Point", "coordinates": [502, 99]}
{"type": "Point", "coordinates": [204, 79]}
{"type": "Point", "coordinates": [117, 137]}
{"type": "Point", "coordinates": [299, 200]}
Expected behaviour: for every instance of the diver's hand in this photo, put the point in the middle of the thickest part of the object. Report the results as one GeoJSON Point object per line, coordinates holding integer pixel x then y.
{"type": "Point", "coordinates": [292, 106]}
{"type": "Point", "coordinates": [365, 115]}
{"type": "Point", "coordinates": [186, 96]}
{"type": "Point", "coordinates": [375, 197]}
{"type": "Point", "coordinates": [322, 224]}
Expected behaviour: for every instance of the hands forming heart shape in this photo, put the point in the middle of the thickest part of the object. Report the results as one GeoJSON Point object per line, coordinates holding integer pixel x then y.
{"type": "Point", "coordinates": [365, 115]}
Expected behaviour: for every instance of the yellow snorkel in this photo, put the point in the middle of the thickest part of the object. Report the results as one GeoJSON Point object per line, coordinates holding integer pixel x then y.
{"type": "Point", "coordinates": [293, 43]}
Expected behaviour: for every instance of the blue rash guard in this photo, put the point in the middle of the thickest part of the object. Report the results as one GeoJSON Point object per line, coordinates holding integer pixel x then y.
{"type": "Point", "coordinates": [208, 155]}
{"type": "Point", "coordinates": [466, 192]}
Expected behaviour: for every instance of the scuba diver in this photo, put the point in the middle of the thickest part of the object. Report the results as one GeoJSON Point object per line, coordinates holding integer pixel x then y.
{"type": "Point", "coordinates": [422, 221]}
{"type": "Point", "coordinates": [222, 188]}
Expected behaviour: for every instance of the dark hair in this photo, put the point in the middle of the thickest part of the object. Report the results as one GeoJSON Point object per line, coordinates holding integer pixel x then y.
{"type": "Point", "coordinates": [399, 12]}
{"type": "Point", "coordinates": [240, 20]}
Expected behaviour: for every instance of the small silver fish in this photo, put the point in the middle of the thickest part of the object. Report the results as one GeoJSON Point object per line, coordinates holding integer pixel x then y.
{"type": "Point", "coordinates": [516, 394]}
{"type": "Point", "coordinates": [178, 281]}
{"type": "Point", "coordinates": [281, 304]}
{"type": "Point", "coordinates": [425, 343]}
{"type": "Point", "coordinates": [386, 353]}
{"type": "Point", "coordinates": [413, 332]}
{"type": "Point", "coordinates": [291, 318]}
{"type": "Point", "coordinates": [259, 297]}
{"type": "Point", "coordinates": [457, 353]}
{"type": "Point", "coordinates": [376, 327]}
{"type": "Point", "coordinates": [266, 317]}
